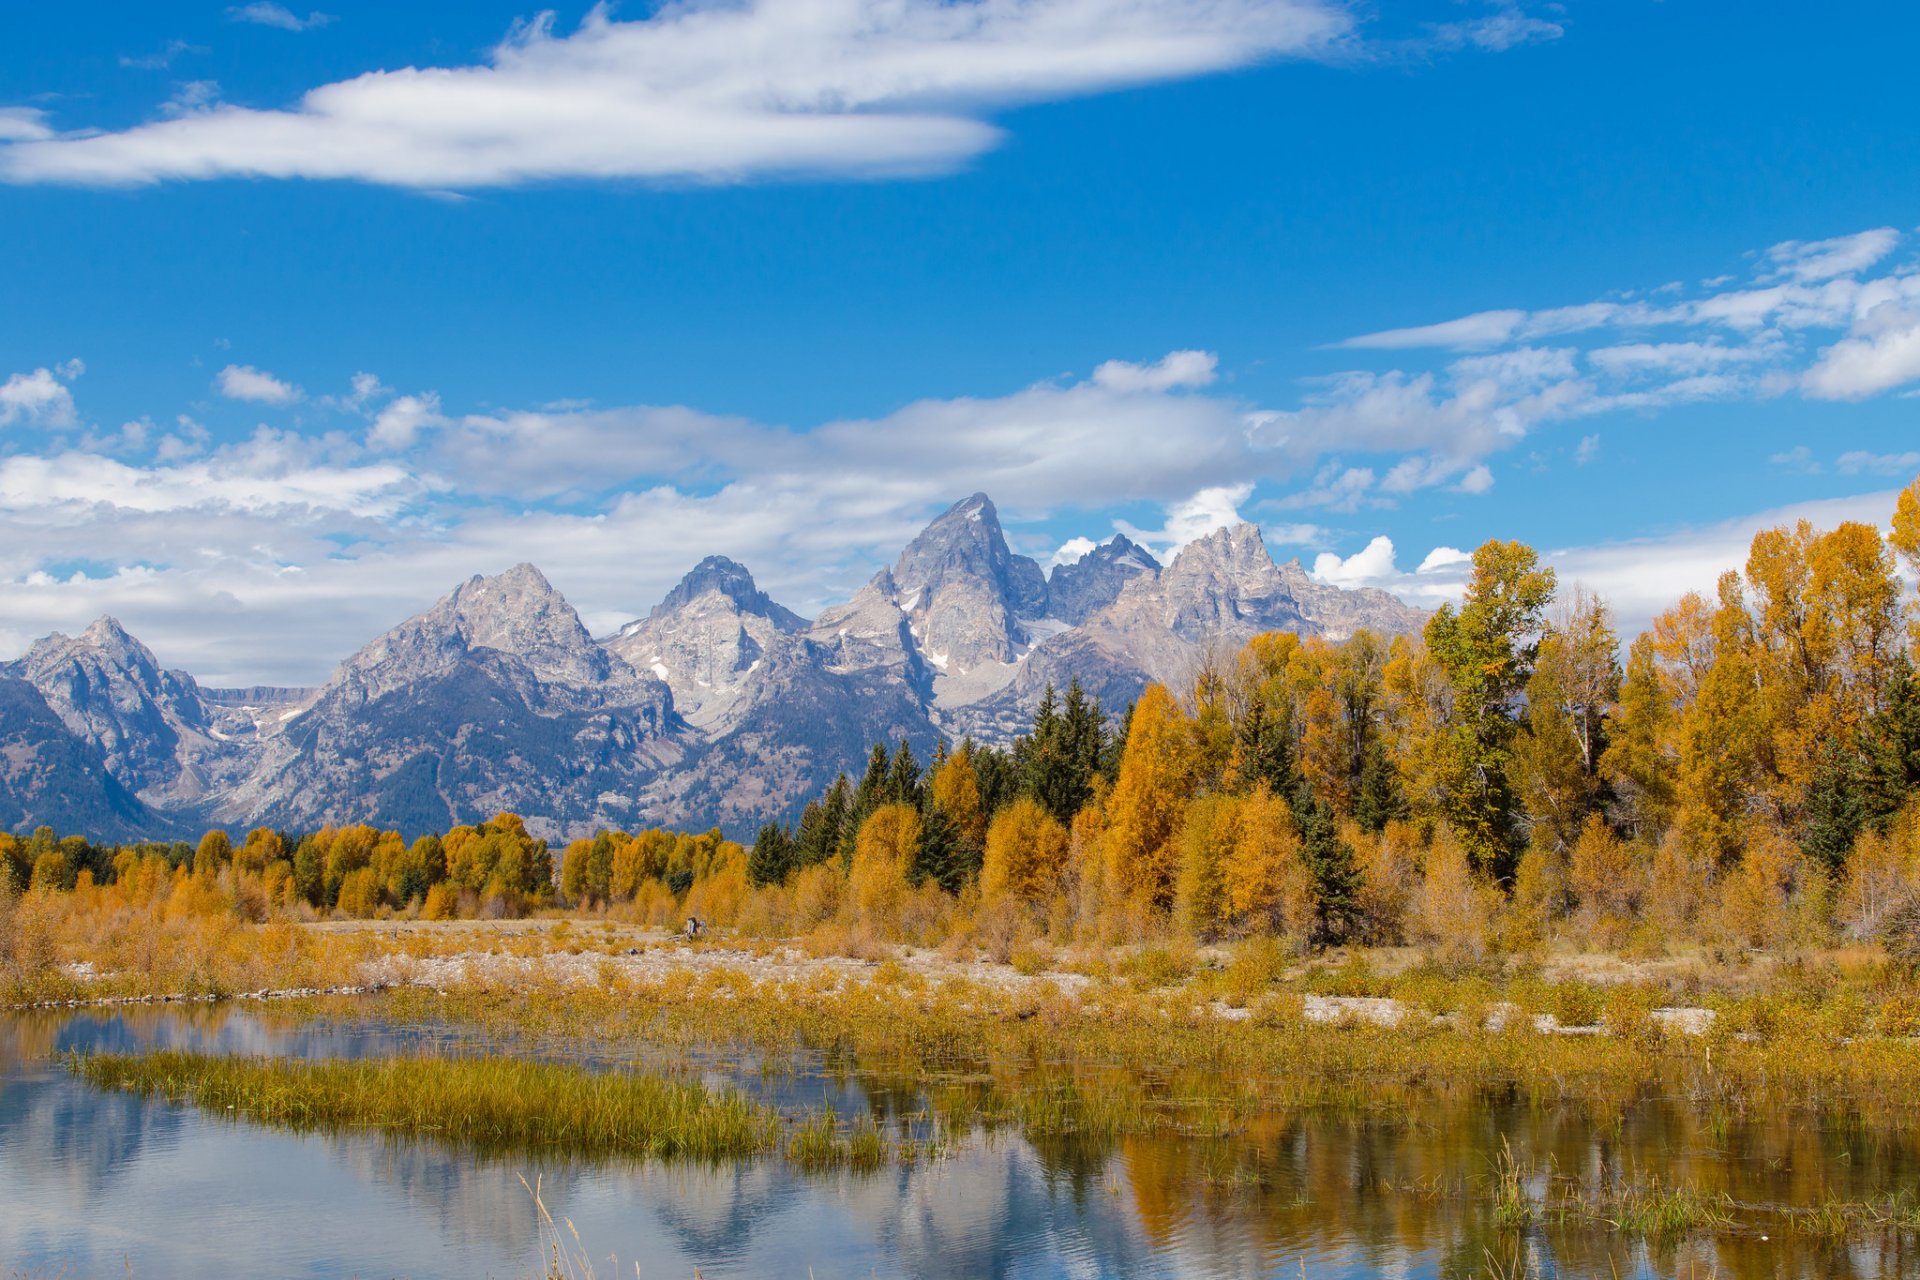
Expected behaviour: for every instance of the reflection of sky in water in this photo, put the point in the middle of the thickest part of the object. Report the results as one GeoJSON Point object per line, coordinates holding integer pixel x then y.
{"type": "Point", "coordinates": [92, 1182]}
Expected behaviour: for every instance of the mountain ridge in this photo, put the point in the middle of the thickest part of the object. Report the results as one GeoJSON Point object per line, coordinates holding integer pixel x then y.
{"type": "Point", "coordinates": [719, 707]}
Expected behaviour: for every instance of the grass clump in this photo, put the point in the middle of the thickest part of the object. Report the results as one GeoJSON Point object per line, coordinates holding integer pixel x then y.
{"type": "Point", "coordinates": [492, 1104]}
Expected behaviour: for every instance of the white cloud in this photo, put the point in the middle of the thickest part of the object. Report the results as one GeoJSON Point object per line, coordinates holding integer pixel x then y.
{"type": "Point", "coordinates": [24, 124]}
{"type": "Point", "coordinates": [1589, 450]}
{"type": "Point", "coordinates": [160, 60]}
{"type": "Point", "coordinates": [1191, 519]}
{"type": "Point", "coordinates": [1885, 355]}
{"type": "Point", "coordinates": [1175, 369]}
{"type": "Point", "coordinates": [38, 397]}
{"type": "Point", "coordinates": [1840, 256]}
{"type": "Point", "coordinates": [1855, 461]}
{"type": "Point", "coordinates": [400, 423]}
{"type": "Point", "coordinates": [1468, 333]}
{"type": "Point", "coordinates": [191, 97]}
{"type": "Point", "coordinates": [1442, 575]}
{"type": "Point", "coordinates": [1508, 27]}
{"type": "Point", "coordinates": [703, 91]}
{"type": "Point", "coordinates": [244, 382]}
{"type": "Point", "coordinates": [1373, 563]}
{"type": "Point", "coordinates": [264, 13]}
{"type": "Point", "coordinates": [1072, 551]}
{"type": "Point", "coordinates": [1477, 481]}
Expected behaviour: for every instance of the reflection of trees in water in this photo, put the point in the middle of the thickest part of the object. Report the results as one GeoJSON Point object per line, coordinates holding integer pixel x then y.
{"type": "Point", "coordinates": [1404, 1188]}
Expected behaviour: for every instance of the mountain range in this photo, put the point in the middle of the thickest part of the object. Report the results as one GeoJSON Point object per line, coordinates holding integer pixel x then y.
{"type": "Point", "coordinates": [720, 707]}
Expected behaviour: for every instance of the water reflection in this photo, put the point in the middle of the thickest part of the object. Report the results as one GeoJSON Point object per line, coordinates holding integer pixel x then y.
{"type": "Point", "coordinates": [96, 1183]}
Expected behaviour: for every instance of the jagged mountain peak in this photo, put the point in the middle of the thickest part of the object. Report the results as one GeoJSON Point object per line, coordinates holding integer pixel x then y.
{"type": "Point", "coordinates": [106, 630]}
{"type": "Point", "coordinates": [1078, 589]}
{"type": "Point", "coordinates": [729, 578]}
{"type": "Point", "coordinates": [516, 613]}
{"type": "Point", "coordinates": [104, 637]}
{"type": "Point", "coordinates": [965, 538]}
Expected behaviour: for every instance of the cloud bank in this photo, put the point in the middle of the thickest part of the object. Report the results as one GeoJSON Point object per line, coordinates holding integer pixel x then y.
{"type": "Point", "coordinates": [701, 92]}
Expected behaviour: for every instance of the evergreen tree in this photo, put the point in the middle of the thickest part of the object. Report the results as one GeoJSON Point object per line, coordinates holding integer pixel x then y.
{"type": "Point", "coordinates": [1336, 876]}
{"type": "Point", "coordinates": [771, 858]}
{"type": "Point", "coordinates": [1837, 807]}
{"type": "Point", "coordinates": [996, 774]}
{"type": "Point", "coordinates": [1264, 742]}
{"type": "Point", "coordinates": [823, 826]}
{"type": "Point", "coordinates": [1378, 799]}
{"type": "Point", "coordinates": [1060, 758]}
{"type": "Point", "coordinates": [872, 791]}
{"type": "Point", "coordinates": [903, 777]}
{"type": "Point", "coordinates": [941, 856]}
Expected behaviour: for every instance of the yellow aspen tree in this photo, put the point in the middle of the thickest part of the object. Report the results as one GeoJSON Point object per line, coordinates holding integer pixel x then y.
{"type": "Point", "coordinates": [214, 853]}
{"type": "Point", "coordinates": [1206, 839]}
{"type": "Point", "coordinates": [1417, 702]}
{"type": "Point", "coordinates": [1026, 853]}
{"type": "Point", "coordinates": [1326, 748]}
{"type": "Point", "coordinates": [1638, 762]}
{"type": "Point", "coordinates": [1268, 884]}
{"type": "Point", "coordinates": [1905, 540]}
{"type": "Point", "coordinates": [1210, 723]}
{"type": "Point", "coordinates": [1149, 798]}
{"type": "Point", "coordinates": [1607, 881]}
{"type": "Point", "coordinates": [1389, 878]}
{"type": "Point", "coordinates": [1453, 910]}
{"type": "Point", "coordinates": [956, 794]}
{"type": "Point", "coordinates": [883, 849]}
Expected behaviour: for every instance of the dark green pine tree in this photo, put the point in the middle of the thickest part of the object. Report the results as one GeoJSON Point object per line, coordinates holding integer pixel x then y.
{"type": "Point", "coordinates": [996, 774]}
{"type": "Point", "coordinates": [1891, 770]}
{"type": "Point", "coordinates": [1377, 799]}
{"type": "Point", "coordinates": [1865, 782]}
{"type": "Point", "coordinates": [1837, 807]}
{"type": "Point", "coordinates": [822, 825]}
{"type": "Point", "coordinates": [1336, 877]}
{"type": "Point", "coordinates": [1265, 741]}
{"type": "Point", "coordinates": [941, 857]}
{"type": "Point", "coordinates": [771, 859]}
{"type": "Point", "coordinates": [872, 791]}
{"type": "Point", "coordinates": [903, 784]}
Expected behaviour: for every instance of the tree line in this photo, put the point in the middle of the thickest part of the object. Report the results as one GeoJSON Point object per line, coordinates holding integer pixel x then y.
{"type": "Point", "coordinates": [1743, 771]}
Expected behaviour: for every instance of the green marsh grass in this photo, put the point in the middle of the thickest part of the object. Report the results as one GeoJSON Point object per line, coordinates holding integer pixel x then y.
{"type": "Point", "coordinates": [491, 1104]}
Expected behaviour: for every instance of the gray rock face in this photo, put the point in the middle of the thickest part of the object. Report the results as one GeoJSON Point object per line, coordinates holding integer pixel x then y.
{"type": "Point", "coordinates": [712, 641]}
{"type": "Point", "coordinates": [965, 593]}
{"type": "Point", "coordinates": [1079, 590]}
{"type": "Point", "coordinates": [719, 707]}
{"type": "Point", "coordinates": [154, 731]}
{"type": "Point", "coordinates": [494, 699]}
{"type": "Point", "coordinates": [51, 776]}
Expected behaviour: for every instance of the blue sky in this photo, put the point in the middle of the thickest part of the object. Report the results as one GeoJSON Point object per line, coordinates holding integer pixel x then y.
{"type": "Point", "coordinates": [299, 337]}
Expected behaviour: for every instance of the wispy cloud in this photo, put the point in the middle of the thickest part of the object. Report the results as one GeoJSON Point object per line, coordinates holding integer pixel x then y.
{"type": "Point", "coordinates": [161, 59]}
{"type": "Point", "coordinates": [264, 13]}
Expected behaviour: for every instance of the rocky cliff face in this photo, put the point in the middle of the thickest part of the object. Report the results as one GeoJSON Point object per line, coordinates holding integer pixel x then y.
{"type": "Point", "coordinates": [51, 776]}
{"type": "Point", "coordinates": [716, 641]}
{"type": "Point", "coordinates": [1079, 590]}
{"type": "Point", "coordinates": [494, 699]}
{"type": "Point", "coordinates": [720, 706]}
{"type": "Point", "coordinates": [153, 729]}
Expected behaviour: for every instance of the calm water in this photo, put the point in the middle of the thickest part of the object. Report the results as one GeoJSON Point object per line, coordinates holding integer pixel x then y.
{"type": "Point", "coordinates": [105, 1184]}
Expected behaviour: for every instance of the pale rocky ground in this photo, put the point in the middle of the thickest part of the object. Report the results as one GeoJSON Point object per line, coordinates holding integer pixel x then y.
{"type": "Point", "coordinates": [526, 953]}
